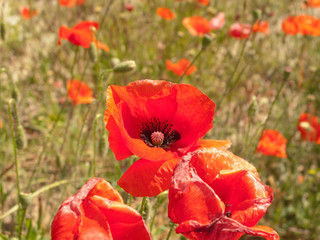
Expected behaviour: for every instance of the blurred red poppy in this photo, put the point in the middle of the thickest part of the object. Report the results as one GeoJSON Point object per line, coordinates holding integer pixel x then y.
{"type": "Point", "coordinates": [272, 143]}
{"type": "Point", "coordinates": [197, 25]}
{"type": "Point", "coordinates": [26, 13]}
{"type": "Point", "coordinates": [312, 3]}
{"type": "Point", "coordinates": [224, 208]}
{"type": "Point", "coordinates": [239, 30]}
{"type": "Point", "coordinates": [97, 211]}
{"type": "Point", "coordinates": [309, 127]}
{"type": "Point", "coordinates": [303, 24]}
{"type": "Point", "coordinates": [218, 21]}
{"type": "Point", "coordinates": [262, 27]}
{"type": "Point", "coordinates": [129, 7]}
{"type": "Point", "coordinates": [81, 35]}
{"type": "Point", "coordinates": [71, 3]}
{"type": "Point", "coordinates": [203, 2]}
{"type": "Point", "coordinates": [179, 67]}
{"type": "Point", "coordinates": [79, 92]}
{"type": "Point", "coordinates": [165, 13]}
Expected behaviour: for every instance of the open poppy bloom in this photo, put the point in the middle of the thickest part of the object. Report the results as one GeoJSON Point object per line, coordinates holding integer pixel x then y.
{"type": "Point", "coordinates": [180, 67]}
{"type": "Point", "coordinates": [157, 121]}
{"type": "Point", "coordinates": [303, 24]}
{"type": "Point", "coordinates": [165, 13]}
{"type": "Point", "coordinates": [262, 27]}
{"type": "Point", "coordinates": [26, 13]}
{"type": "Point", "coordinates": [197, 25]}
{"type": "Point", "coordinates": [272, 143]}
{"type": "Point", "coordinates": [79, 92]}
{"type": "Point", "coordinates": [312, 3]}
{"type": "Point", "coordinates": [309, 127]}
{"type": "Point", "coordinates": [81, 35]}
{"type": "Point", "coordinates": [239, 30]}
{"type": "Point", "coordinates": [224, 208]}
{"type": "Point", "coordinates": [218, 21]}
{"type": "Point", "coordinates": [71, 3]}
{"type": "Point", "coordinates": [97, 211]}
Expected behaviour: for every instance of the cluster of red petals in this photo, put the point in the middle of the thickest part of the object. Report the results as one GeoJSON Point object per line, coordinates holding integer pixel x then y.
{"type": "Point", "coordinates": [26, 13]}
{"type": "Point", "coordinates": [79, 92]}
{"type": "Point", "coordinates": [272, 143]}
{"type": "Point", "coordinates": [71, 3]}
{"type": "Point", "coordinates": [197, 25]}
{"type": "Point", "coordinates": [97, 211]}
{"type": "Point", "coordinates": [312, 3]}
{"type": "Point", "coordinates": [218, 21]}
{"type": "Point", "coordinates": [81, 35]}
{"type": "Point", "coordinates": [180, 67]}
{"type": "Point", "coordinates": [203, 2]}
{"type": "Point", "coordinates": [165, 13]}
{"type": "Point", "coordinates": [242, 31]}
{"type": "Point", "coordinates": [180, 111]}
{"type": "Point", "coordinates": [216, 195]}
{"type": "Point", "coordinates": [303, 24]}
{"type": "Point", "coordinates": [309, 127]}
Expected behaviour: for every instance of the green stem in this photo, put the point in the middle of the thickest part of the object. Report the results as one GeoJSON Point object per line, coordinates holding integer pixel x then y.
{"type": "Point", "coordinates": [170, 231]}
{"type": "Point", "coordinates": [192, 62]}
{"type": "Point", "coordinates": [144, 200]}
{"type": "Point", "coordinates": [156, 205]}
{"type": "Point", "coordinates": [94, 173]}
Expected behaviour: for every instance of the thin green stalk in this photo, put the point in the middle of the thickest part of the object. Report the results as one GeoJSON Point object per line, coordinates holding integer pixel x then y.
{"type": "Point", "coordinates": [172, 225]}
{"type": "Point", "coordinates": [14, 144]}
{"type": "Point", "coordinates": [143, 203]}
{"type": "Point", "coordinates": [156, 205]}
{"type": "Point", "coordinates": [94, 173]}
{"type": "Point", "coordinates": [192, 62]}
{"type": "Point", "coordinates": [74, 61]}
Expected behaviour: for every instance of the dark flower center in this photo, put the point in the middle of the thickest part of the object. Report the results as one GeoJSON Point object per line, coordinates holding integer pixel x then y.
{"type": "Point", "coordinates": [158, 134]}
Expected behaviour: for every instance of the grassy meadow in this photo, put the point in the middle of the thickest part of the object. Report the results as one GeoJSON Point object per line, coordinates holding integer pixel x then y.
{"type": "Point", "coordinates": [66, 144]}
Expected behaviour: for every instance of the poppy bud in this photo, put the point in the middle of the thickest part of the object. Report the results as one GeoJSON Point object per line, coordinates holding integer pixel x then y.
{"type": "Point", "coordinates": [93, 52]}
{"type": "Point", "coordinates": [25, 199]}
{"type": "Point", "coordinates": [126, 66]}
{"type": "Point", "coordinates": [206, 40]}
{"type": "Point", "coordinates": [114, 62]}
{"type": "Point", "coordinates": [286, 73]}
{"type": "Point", "coordinates": [21, 140]}
{"type": "Point", "coordinates": [2, 31]}
{"type": "Point", "coordinates": [256, 14]}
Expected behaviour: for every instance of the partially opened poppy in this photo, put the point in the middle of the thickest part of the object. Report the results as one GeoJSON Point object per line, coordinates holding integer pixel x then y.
{"type": "Point", "coordinates": [71, 3]}
{"type": "Point", "coordinates": [156, 121]}
{"type": "Point", "coordinates": [97, 211]}
{"type": "Point", "coordinates": [272, 143]}
{"type": "Point", "coordinates": [302, 24]}
{"type": "Point", "coordinates": [309, 127]}
{"type": "Point", "coordinates": [79, 92]}
{"type": "Point", "coordinates": [180, 67]}
{"type": "Point", "coordinates": [239, 30]}
{"type": "Point", "coordinates": [225, 208]}
{"type": "Point", "coordinates": [165, 13]}
{"type": "Point", "coordinates": [197, 25]}
{"type": "Point", "coordinates": [81, 35]}
{"type": "Point", "coordinates": [218, 21]}
{"type": "Point", "coordinates": [26, 13]}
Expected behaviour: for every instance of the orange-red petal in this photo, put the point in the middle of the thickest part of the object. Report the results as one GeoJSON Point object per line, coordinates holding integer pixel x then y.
{"type": "Point", "coordinates": [165, 13]}
{"type": "Point", "coordinates": [71, 3]}
{"type": "Point", "coordinates": [272, 143]}
{"type": "Point", "coordinates": [196, 25]}
{"type": "Point", "coordinates": [79, 92]}
{"type": "Point", "coordinates": [180, 67]}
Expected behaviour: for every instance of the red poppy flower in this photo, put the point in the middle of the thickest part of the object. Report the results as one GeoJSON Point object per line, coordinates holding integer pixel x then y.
{"type": "Point", "coordinates": [165, 13]}
{"type": "Point", "coordinates": [218, 21]}
{"type": "Point", "coordinates": [272, 143]}
{"type": "Point", "coordinates": [224, 208]}
{"type": "Point", "coordinates": [71, 3]}
{"type": "Point", "coordinates": [239, 30]}
{"type": "Point", "coordinates": [26, 13]}
{"type": "Point", "coordinates": [309, 127]}
{"type": "Point", "coordinates": [129, 7]}
{"type": "Point", "coordinates": [303, 24]}
{"type": "Point", "coordinates": [312, 3]}
{"type": "Point", "coordinates": [79, 92]}
{"type": "Point", "coordinates": [179, 67]}
{"type": "Point", "coordinates": [81, 35]}
{"type": "Point", "coordinates": [197, 25]}
{"type": "Point", "coordinates": [203, 2]}
{"type": "Point", "coordinates": [262, 27]}
{"type": "Point", "coordinates": [97, 211]}
{"type": "Point", "coordinates": [156, 120]}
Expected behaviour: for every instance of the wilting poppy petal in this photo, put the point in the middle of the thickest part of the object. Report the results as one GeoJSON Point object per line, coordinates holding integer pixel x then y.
{"type": "Point", "coordinates": [218, 21]}
{"type": "Point", "coordinates": [239, 30]}
{"type": "Point", "coordinates": [97, 211]}
{"type": "Point", "coordinates": [71, 3]}
{"type": "Point", "coordinates": [79, 92]}
{"type": "Point", "coordinates": [197, 25]}
{"type": "Point", "coordinates": [26, 13]}
{"type": "Point", "coordinates": [165, 13]}
{"type": "Point", "coordinates": [230, 206]}
{"type": "Point", "coordinates": [81, 35]}
{"type": "Point", "coordinates": [309, 127]}
{"type": "Point", "coordinates": [145, 109]}
{"type": "Point", "coordinates": [179, 67]}
{"type": "Point", "coordinates": [272, 143]}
